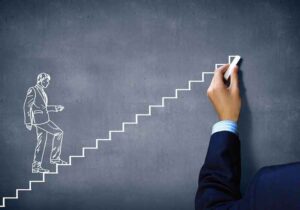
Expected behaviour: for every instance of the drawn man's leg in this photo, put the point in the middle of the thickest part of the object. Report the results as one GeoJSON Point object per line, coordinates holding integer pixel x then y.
{"type": "Point", "coordinates": [56, 144]}
{"type": "Point", "coordinates": [39, 150]}
{"type": "Point", "coordinates": [50, 128]}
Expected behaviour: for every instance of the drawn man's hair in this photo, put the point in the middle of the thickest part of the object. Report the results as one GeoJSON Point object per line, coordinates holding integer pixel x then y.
{"type": "Point", "coordinates": [43, 76]}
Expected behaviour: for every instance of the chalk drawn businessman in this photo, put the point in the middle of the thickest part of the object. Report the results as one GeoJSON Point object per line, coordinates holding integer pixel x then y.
{"type": "Point", "coordinates": [36, 114]}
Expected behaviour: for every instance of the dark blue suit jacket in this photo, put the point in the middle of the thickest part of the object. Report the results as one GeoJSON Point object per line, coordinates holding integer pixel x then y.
{"type": "Point", "coordinates": [273, 188]}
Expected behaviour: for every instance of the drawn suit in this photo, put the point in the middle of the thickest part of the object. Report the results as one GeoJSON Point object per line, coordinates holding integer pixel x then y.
{"type": "Point", "coordinates": [36, 114]}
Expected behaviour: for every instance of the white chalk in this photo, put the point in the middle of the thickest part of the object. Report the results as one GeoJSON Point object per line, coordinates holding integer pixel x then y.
{"type": "Point", "coordinates": [231, 66]}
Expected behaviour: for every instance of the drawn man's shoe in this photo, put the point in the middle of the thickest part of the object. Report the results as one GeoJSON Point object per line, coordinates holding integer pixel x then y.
{"type": "Point", "coordinates": [58, 161]}
{"type": "Point", "coordinates": [37, 168]}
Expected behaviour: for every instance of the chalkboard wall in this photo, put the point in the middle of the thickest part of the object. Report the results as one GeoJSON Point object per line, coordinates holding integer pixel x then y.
{"type": "Point", "coordinates": [110, 59]}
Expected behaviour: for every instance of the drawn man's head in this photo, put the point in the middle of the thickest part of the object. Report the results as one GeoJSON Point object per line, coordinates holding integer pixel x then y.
{"type": "Point", "coordinates": [43, 79]}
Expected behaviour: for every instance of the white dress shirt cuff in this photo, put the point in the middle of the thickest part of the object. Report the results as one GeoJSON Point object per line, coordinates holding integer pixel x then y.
{"type": "Point", "coordinates": [225, 125]}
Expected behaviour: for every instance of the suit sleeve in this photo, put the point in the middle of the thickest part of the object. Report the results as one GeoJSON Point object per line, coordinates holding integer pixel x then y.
{"type": "Point", "coordinates": [51, 108]}
{"type": "Point", "coordinates": [27, 107]}
{"type": "Point", "coordinates": [219, 179]}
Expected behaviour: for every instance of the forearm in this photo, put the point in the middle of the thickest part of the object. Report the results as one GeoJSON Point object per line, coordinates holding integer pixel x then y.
{"type": "Point", "coordinates": [219, 179]}
{"type": "Point", "coordinates": [51, 108]}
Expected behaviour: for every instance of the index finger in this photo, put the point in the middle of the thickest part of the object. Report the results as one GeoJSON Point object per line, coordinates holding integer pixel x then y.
{"type": "Point", "coordinates": [219, 74]}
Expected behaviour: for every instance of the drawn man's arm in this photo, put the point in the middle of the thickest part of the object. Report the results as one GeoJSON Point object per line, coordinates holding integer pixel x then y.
{"type": "Point", "coordinates": [51, 108]}
{"type": "Point", "coordinates": [27, 107]}
{"type": "Point", "coordinates": [54, 108]}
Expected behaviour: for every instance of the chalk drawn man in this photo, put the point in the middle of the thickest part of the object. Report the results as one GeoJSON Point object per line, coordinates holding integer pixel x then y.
{"type": "Point", "coordinates": [36, 114]}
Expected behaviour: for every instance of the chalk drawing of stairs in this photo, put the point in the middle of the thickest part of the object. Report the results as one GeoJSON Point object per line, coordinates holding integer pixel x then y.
{"type": "Point", "coordinates": [147, 114]}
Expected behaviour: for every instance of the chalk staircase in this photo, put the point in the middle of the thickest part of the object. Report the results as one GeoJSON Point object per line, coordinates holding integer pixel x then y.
{"type": "Point", "coordinates": [124, 124]}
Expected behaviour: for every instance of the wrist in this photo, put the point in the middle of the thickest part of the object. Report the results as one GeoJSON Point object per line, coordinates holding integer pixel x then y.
{"type": "Point", "coordinates": [232, 119]}
{"type": "Point", "coordinates": [229, 116]}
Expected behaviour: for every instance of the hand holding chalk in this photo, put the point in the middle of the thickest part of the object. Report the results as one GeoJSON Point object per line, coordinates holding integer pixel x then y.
{"type": "Point", "coordinates": [231, 67]}
{"type": "Point", "coordinates": [225, 99]}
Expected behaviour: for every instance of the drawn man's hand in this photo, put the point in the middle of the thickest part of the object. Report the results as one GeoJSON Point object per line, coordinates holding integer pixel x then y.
{"type": "Point", "coordinates": [28, 126]}
{"type": "Point", "coordinates": [59, 108]}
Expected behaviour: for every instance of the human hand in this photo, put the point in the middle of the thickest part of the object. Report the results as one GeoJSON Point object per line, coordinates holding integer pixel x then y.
{"type": "Point", "coordinates": [226, 100]}
{"type": "Point", "coordinates": [59, 108]}
{"type": "Point", "coordinates": [28, 126]}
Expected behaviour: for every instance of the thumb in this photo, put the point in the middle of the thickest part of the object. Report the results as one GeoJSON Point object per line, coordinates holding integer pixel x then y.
{"type": "Point", "coordinates": [234, 78]}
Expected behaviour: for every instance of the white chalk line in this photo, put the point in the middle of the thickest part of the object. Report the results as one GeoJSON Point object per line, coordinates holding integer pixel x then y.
{"type": "Point", "coordinates": [149, 113]}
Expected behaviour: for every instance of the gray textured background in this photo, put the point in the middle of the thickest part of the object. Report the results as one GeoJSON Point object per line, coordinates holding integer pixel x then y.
{"type": "Point", "coordinates": [109, 60]}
